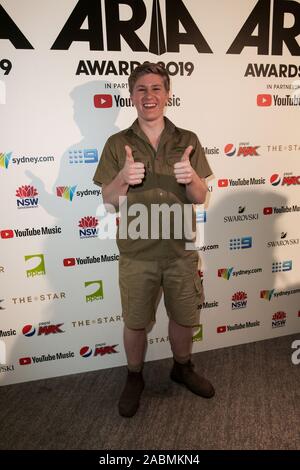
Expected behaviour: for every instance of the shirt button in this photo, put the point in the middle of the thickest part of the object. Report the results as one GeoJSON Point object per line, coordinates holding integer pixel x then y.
{"type": "Point", "coordinates": [160, 194]}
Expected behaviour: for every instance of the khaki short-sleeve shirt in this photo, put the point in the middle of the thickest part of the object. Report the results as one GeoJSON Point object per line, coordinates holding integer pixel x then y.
{"type": "Point", "coordinates": [157, 193]}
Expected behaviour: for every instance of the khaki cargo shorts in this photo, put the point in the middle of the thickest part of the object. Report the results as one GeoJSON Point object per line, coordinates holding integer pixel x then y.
{"type": "Point", "coordinates": [140, 284]}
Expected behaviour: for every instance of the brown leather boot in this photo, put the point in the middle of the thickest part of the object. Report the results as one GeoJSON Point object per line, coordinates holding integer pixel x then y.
{"type": "Point", "coordinates": [184, 374]}
{"type": "Point", "coordinates": [130, 397]}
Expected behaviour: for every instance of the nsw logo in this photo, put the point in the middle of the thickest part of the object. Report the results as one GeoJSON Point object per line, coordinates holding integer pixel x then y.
{"type": "Point", "coordinates": [83, 156]}
{"type": "Point", "coordinates": [239, 300]}
{"type": "Point", "coordinates": [37, 263]}
{"type": "Point", "coordinates": [96, 294]}
{"type": "Point", "coordinates": [26, 197]}
{"type": "Point", "coordinates": [88, 226]}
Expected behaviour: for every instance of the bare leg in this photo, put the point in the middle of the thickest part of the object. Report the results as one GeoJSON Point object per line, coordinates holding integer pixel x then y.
{"type": "Point", "coordinates": [181, 341]}
{"type": "Point", "coordinates": [135, 346]}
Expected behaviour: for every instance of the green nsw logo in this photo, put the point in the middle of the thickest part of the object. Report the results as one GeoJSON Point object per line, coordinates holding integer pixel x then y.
{"type": "Point", "coordinates": [97, 294]}
{"type": "Point", "coordinates": [39, 265]}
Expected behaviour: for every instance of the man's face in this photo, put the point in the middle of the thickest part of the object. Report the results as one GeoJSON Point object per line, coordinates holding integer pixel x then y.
{"type": "Point", "coordinates": [149, 96]}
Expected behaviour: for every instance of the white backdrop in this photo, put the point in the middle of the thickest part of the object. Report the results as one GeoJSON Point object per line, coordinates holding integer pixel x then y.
{"type": "Point", "coordinates": [60, 307]}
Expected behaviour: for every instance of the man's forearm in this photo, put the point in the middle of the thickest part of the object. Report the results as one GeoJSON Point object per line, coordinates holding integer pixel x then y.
{"type": "Point", "coordinates": [116, 188]}
{"type": "Point", "coordinates": [196, 190]}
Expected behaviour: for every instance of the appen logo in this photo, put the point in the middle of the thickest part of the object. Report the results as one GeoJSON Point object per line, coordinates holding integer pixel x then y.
{"type": "Point", "coordinates": [26, 197]}
{"type": "Point", "coordinates": [239, 300]}
{"type": "Point", "coordinates": [97, 294]}
{"type": "Point", "coordinates": [244, 150]}
{"type": "Point", "coordinates": [198, 334]}
{"type": "Point", "coordinates": [287, 180]}
{"type": "Point", "coordinates": [84, 156]}
{"type": "Point", "coordinates": [66, 192]}
{"type": "Point", "coordinates": [99, 350]}
{"type": "Point", "coordinates": [39, 262]}
{"type": "Point", "coordinates": [45, 328]}
{"type": "Point", "coordinates": [240, 243]}
{"type": "Point", "coordinates": [282, 266]}
{"type": "Point", "coordinates": [88, 226]}
{"type": "Point", "coordinates": [5, 159]}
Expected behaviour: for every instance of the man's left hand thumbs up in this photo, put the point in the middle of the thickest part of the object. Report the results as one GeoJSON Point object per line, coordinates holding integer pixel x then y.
{"type": "Point", "coordinates": [183, 170]}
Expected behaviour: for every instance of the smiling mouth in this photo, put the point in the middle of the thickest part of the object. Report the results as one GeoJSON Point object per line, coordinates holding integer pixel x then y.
{"type": "Point", "coordinates": [149, 105]}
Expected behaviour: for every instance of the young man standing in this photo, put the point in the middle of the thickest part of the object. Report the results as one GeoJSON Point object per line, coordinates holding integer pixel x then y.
{"type": "Point", "coordinates": [153, 163]}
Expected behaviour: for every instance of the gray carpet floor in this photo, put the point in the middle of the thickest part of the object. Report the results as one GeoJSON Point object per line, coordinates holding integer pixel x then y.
{"type": "Point", "coordinates": [256, 406]}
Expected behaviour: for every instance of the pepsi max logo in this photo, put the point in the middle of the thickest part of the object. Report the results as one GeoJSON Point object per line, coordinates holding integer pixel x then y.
{"type": "Point", "coordinates": [28, 330]}
{"type": "Point", "coordinates": [275, 180]}
{"type": "Point", "coordinates": [229, 150]}
{"type": "Point", "coordinates": [86, 351]}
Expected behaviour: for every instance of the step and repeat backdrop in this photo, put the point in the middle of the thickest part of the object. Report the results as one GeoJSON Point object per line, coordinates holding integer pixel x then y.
{"type": "Point", "coordinates": [64, 66]}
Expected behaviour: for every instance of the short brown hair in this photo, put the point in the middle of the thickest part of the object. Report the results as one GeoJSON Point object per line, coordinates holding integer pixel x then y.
{"type": "Point", "coordinates": [145, 68]}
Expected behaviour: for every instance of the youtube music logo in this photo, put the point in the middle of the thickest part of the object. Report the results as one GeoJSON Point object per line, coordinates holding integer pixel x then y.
{"type": "Point", "coordinates": [7, 234]}
{"type": "Point", "coordinates": [69, 262]}
{"type": "Point", "coordinates": [223, 183]}
{"type": "Point", "coordinates": [103, 101]}
{"type": "Point", "coordinates": [24, 361]}
{"type": "Point", "coordinates": [268, 210]}
{"type": "Point", "coordinates": [264, 100]}
{"type": "Point", "coordinates": [221, 329]}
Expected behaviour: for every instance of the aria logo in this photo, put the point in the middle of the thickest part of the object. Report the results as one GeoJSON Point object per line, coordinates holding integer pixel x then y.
{"type": "Point", "coordinates": [38, 263]}
{"type": "Point", "coordinates": [66, 192]}
{"type": "Point", "coordinates": [5, 159]}
{"type": "Point", "coordinates": [88, 226]}
{"type": "Point", "coordinates": [27, 197]}
{"type": "Point", "coordinates": [97, 294]}
{"type": "Point", "coordinates": [99, 350]}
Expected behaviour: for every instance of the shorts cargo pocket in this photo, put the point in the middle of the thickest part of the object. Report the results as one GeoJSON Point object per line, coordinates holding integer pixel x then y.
{"type": "Point", "coordinates": [199, 290]}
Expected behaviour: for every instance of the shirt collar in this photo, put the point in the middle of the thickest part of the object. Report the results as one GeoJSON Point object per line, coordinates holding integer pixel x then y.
{"type": "Point", "coordinates": [169, 128]}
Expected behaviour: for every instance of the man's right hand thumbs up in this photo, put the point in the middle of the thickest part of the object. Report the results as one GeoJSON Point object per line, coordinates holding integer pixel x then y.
{"type": "Point", "coordinates": [133, 172]}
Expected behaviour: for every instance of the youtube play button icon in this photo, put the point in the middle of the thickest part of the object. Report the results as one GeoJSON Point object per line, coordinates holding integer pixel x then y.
{"type": "Point", "coordinates": [69, 262]}
{"type": "Point", "coordinates": [7, 234]}
{"type": "Point", "coordinates": [264, 100]}
{"type": "Point", "coordinates": [103, 101]}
